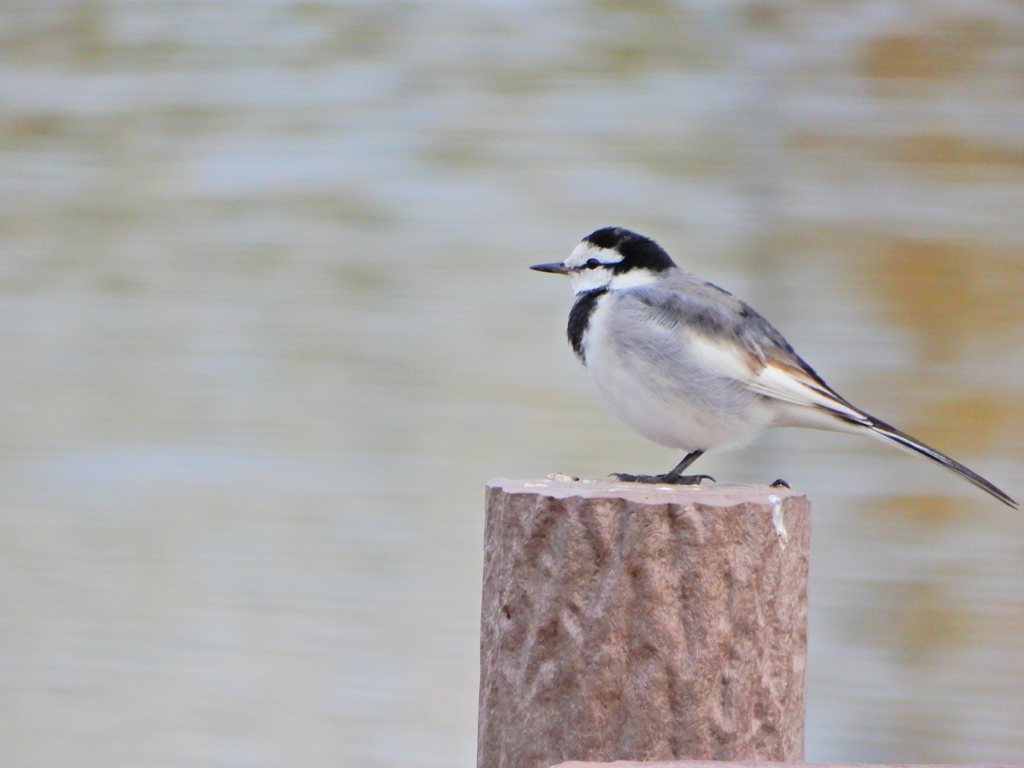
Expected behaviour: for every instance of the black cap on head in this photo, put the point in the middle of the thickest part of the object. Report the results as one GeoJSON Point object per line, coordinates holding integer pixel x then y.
{"type": "Point", "coordinates": [638, 252]}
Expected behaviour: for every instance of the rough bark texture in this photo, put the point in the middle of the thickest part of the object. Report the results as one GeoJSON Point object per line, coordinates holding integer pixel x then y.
{"type": "Point", "coordinates": [630, 622]}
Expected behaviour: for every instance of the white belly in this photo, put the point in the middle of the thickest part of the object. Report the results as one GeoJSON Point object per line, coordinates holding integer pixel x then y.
{"type": "Point", "coordinates": [662, 396]}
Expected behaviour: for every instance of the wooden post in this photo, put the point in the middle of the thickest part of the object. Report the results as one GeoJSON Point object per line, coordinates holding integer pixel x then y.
{"type": "Point", "coordinates": [631, 622]}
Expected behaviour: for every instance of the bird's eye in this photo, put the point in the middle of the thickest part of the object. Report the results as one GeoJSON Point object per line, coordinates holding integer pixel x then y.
{"type": "Point", "coordinates": [593, 263]}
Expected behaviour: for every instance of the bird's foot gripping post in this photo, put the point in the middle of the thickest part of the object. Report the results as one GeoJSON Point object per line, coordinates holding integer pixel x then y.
{"type": "Point", "coordinates": [668, 479]}
{"type": "Point", "coordinates": [673, 477]}
{"type": "Point", "coordinates": [637, 622]}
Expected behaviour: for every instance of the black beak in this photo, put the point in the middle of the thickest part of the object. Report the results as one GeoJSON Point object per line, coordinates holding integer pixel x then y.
{"type": "Point", "coordinates": [557, 268]}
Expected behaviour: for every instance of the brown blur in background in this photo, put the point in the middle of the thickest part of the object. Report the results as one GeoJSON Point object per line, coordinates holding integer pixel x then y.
{"type": "Point", "coordinates": [266, 329]}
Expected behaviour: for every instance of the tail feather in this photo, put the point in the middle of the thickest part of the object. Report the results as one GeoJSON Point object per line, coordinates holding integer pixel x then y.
{"type": "Point", "coordinates": [902, 440]}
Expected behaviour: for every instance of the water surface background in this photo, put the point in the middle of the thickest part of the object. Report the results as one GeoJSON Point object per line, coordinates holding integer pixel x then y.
{"type": "Point", "coordinates": [266, 329]}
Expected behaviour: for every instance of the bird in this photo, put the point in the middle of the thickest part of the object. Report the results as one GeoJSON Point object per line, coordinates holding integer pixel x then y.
{"type": "Point", "coordinates": [690, 366]}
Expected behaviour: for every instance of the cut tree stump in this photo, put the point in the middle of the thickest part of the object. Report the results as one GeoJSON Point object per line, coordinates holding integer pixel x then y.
{"type": "Point", "coordinates": [642, 622]}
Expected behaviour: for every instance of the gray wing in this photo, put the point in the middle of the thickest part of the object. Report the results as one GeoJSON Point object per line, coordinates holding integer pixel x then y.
{"type": "Point", "coordinates": [715, 314]}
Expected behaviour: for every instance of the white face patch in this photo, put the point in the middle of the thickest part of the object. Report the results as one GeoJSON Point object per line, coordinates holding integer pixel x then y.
{"type": "Point", "coordinates": [590, 267]}
{"type": "Point", "coordinates": [585, 251]}
{"type": "Point", "coordinates": [589, 278]}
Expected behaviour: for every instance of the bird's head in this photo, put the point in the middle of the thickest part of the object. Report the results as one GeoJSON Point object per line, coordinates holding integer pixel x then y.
{"type": "Point", "coordinates": [612, 257]}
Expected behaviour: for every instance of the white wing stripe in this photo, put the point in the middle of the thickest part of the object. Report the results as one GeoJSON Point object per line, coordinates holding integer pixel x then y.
{"type": "Point", "coordinates": [780, 384]}
{"type": "Point", "coordinates": [730, 360]}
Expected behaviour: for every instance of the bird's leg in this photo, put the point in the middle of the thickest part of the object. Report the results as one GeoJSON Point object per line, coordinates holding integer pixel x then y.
{"type": "Point", "coordinates": [677, 476]}
{"type": "Point", "coordinates": [674, 477]}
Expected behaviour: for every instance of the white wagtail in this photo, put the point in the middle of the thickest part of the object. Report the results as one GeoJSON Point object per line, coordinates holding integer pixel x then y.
{"type": "Point", "coordinates": [689, 366]}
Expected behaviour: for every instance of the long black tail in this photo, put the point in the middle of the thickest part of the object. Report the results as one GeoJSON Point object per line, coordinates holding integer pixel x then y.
{"type": "Point", "coordinates": [906, 442]}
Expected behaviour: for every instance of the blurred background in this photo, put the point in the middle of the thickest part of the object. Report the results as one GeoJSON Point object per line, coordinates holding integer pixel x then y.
{"type": "Point", "coordinates": [266, 329]}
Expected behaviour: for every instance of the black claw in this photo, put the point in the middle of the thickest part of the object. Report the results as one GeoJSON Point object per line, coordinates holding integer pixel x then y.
{"type": "Point", "coordinates": [693, 479]}
{"type": "Point", "coordinates": [780, 483]}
